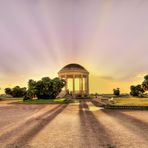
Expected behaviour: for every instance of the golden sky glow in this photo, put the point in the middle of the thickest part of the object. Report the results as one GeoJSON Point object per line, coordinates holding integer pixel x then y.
{"type": "Point", "coordinates": [108, 38]}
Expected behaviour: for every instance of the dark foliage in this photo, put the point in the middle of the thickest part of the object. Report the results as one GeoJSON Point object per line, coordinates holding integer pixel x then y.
{"type": "Point", "coordinates": [45, 88]}
{"type": "Point", "coordinates": [137, 90]}
{"type": "Point", "coordinates": [145, 83]}
{"type": "Point", "coordinates": [17, 91]}
{"type": "Point", "coordinates": [8, 91]}
{"type": "Point", "coordinates": [116, 92]}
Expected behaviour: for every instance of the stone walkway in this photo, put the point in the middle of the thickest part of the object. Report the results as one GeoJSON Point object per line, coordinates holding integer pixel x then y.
{"type": "Point", "coordinates": [77, 125]}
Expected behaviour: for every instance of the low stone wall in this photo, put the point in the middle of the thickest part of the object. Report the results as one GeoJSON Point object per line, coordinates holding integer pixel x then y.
{"type": "Point", "coordinates": [126, 107]}
{"type": "Point", "coordinates": [98, 102]}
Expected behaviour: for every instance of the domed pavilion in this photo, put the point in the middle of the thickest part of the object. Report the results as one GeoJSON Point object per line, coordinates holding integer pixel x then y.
{"type": "Point", "coordinates": [79, 77]}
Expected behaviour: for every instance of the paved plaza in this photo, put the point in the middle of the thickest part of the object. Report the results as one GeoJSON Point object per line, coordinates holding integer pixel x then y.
{"type": "Point", "coordinates": [76, 125]}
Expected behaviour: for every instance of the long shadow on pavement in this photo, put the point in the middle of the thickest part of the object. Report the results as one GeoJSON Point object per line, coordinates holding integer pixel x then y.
{"type": "Point", "coordinates": [135, 125]}
{"type": "Point", "coordinates": [94, 133]}
{"type": "Point", "coordinates": [38, 124]}
{"type": "Point", "coordinates": [12, 132]}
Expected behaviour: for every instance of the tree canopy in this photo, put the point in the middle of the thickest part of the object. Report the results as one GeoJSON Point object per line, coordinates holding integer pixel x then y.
{"type": "Point", "coordinates": [145, 83]}
{"type": "Point", "coordinates": [116, 92]}
{"type": "Point", "coordinates": [17, 91]}
{"type": "Point", "coordinates": [45, 88]}
{"type": "Point", "coordinates": [136, 90]}
{"type": "Point", "coordinates": [139, 89]}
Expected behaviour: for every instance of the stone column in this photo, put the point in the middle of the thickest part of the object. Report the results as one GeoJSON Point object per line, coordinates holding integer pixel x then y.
{"type": "Point", "coordinates": [87, 84]}
{"type": "Point", "coordinates": [81, 83]}
{"type": "Point", "coordinates": [66, 79]}
{"type": "Point", "coordinates": [73, 84]}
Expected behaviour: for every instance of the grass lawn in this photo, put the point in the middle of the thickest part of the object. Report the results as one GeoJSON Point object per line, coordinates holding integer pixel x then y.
{"type": "Point", "coordinates": [131, 101]}
{"type": "Point", "coordinates": [6, 98]}
{"type": "Point", "coordinates": [44, 101]}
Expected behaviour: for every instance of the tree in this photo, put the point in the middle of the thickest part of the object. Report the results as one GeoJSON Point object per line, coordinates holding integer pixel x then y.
{"type": "Point", "coordinates": [8, 91]}
{"type": "Point", "coordinates": [17, 91]}
{"type": "Point", "coordinates": [45, 88]}
{"type": "Point", "coordinates": [145, 83]}
{"type": "Point", "coordinates": [116, 92]}
{"type": "Point", "coordinates": [31, 88]}
{"type": "Point", "coordinates": [29, 95]}
{"type": "Point", "coordinates": [137, 90]}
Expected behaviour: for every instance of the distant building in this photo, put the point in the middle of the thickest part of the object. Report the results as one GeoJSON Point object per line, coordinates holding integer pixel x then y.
{"type": "Point", "coordinates": [75, 71]}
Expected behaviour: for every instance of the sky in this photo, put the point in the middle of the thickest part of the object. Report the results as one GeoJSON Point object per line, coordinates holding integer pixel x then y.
{"type": "Point", "coordinates": [107, 37]}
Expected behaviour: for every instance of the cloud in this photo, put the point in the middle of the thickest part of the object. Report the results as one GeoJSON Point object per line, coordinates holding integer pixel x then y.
{"type": "Point", "coordinates": [108, 37]}
{"type": "Point", "coordinates": [106, 78]}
